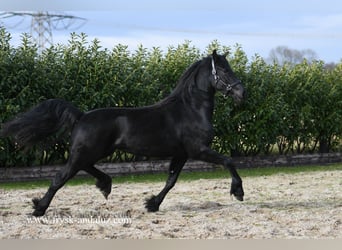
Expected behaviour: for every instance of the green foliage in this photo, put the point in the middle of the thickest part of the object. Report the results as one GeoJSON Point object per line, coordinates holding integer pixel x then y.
{"type": "Point", "coordinates": [290, 108]}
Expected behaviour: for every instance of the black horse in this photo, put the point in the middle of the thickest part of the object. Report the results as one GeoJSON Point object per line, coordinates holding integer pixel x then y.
{"type": "Point", "coordinates": [178, 127]}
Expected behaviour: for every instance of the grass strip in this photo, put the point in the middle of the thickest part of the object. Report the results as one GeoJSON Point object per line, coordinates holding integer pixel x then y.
{"type": "Point", "coordinates": [185, 176]}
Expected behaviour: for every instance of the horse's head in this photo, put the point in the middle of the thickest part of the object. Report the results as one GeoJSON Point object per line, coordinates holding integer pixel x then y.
{"type": "Point", "coordinates": [224, 79]}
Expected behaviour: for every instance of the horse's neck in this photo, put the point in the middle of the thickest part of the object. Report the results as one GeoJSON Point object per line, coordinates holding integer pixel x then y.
{"type": "Point", "coordinates": [195, 92]}
{"type": "Point", "coordinates": [202, 103]}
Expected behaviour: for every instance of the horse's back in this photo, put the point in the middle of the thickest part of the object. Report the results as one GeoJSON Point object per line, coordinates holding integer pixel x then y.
{"type": "Point", "coordinates": [147, 131]}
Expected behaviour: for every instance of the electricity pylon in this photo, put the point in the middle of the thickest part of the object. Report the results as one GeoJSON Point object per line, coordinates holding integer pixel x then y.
{"type": "Point", "coordinates": [42, 23]}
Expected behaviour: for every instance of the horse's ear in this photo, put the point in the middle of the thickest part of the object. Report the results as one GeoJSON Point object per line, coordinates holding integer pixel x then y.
{"type": "Point", "coordinates": [214, 53]}
{"type": "Point", "coordinates": [226, 54]}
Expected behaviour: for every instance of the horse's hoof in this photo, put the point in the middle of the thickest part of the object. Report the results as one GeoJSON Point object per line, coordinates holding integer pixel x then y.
{"type": "Point", "coordinates": [105, 187]}
{"type": "Point", "coordinates": [35, 203]}
{"type": "Point", "coordinates": [237, 190]}
{"type": "Point", "coordinates": [151, 204]}
{"type": "Point", "coordinates": [239, 197]}
{"type": "Point", "coordinates": [38, 213]}
{"type": "Point", "coordinates": [105, 194]}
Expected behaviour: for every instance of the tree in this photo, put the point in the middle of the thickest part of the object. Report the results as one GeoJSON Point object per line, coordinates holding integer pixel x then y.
{"type": "Point", "coordinates": [330, 66]}
{"type": "Point", "coordinates": [284, 54]}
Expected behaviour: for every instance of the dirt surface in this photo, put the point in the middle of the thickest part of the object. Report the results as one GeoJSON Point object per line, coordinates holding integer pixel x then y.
{"type": "Point", "coordinates": [305, 205]}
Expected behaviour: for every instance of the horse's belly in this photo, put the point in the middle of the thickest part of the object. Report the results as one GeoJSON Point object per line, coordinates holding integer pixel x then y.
{"type": "Point", "coordinates": [152, 146]}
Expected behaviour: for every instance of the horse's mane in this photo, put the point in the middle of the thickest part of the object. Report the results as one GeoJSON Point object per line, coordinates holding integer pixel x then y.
{"type": "Point", "coordinates": [185, 84]}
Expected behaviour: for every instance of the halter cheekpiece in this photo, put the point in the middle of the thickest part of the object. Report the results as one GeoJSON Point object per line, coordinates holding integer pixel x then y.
{"type": "Point", "coordinates": [217, 78]}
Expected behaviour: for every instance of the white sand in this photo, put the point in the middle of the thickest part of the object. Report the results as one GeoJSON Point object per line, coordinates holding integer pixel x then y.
{"type": "Point", "coordinates": [306, 205]}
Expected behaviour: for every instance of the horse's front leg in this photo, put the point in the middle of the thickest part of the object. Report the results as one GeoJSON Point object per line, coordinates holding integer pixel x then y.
{"type": "Point", "coordinates": [211, 156]}
{"type": "Point", "coordinates": [176, 165]}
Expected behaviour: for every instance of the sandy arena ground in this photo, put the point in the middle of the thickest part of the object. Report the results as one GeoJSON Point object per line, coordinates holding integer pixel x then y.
{"type": "Point", "coordinates": [305, 205]}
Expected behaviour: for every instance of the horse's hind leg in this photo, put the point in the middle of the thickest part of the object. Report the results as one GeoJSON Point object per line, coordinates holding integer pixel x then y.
{"type": "Point", "coordinates": [104, 182]}
{"type": "Point", "coordinates": [40, 205]}
{"type": "Point", "coordinates": [176, 165]}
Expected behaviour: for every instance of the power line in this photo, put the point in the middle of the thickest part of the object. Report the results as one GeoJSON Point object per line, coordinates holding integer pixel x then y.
{"type": "Point", "coordinates": [42, 24]}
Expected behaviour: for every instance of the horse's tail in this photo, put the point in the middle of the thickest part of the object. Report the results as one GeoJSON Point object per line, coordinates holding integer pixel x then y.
{"type": "Point", "coordinates": [45, 119]}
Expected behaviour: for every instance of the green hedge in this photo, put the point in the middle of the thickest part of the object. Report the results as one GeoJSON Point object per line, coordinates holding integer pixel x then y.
{"type": "Point", "coordinates": [290, 109]}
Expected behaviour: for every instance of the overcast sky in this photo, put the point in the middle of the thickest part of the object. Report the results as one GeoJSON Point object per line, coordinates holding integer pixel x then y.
{"type": "Point", "coordinates": [258, 25]}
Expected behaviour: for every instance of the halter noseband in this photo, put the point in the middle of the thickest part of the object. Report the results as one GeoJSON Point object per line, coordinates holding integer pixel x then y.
{"type": "Point", "coordinates": [217, 79]}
